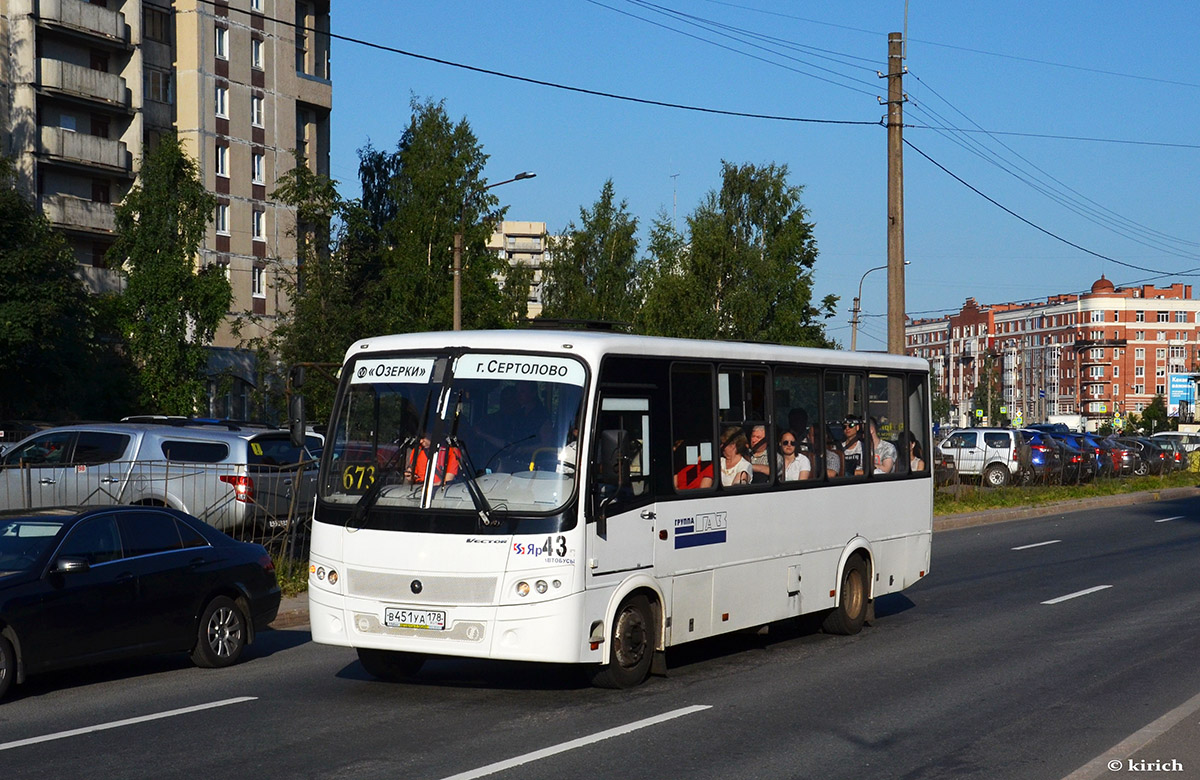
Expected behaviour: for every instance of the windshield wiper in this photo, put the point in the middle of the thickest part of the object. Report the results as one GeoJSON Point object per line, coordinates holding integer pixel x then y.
{"type": "Point", "coordinates": [477, 497]}
{"type": "Point", "coordinates": [372, 495]}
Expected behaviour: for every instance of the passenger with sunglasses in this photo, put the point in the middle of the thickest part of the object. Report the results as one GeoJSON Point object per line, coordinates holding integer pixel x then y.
{"type": "Point", "coordinates": [852, 449]}
{"type": "Point", "coordinates": [793, 465]}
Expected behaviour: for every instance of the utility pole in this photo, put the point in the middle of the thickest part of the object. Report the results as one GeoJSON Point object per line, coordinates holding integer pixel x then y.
{"type": "Point", "coordinates": [895, 153]}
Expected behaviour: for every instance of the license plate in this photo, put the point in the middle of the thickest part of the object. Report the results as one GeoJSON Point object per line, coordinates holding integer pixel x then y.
{"type": "Point", "coordinates": [395, 617]}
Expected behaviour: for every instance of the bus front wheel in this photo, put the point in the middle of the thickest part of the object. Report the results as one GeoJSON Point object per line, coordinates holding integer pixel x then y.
{"type": "Point", "coordinates": [390, 665]}
{"type": "Point", "coordinates": [851, 612]}
{"type": "Point", "coordinates": [633, 642]}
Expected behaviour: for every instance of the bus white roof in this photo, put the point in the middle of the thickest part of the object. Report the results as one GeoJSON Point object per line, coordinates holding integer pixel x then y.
{"type": "Point", "coordinates": [592, 345]}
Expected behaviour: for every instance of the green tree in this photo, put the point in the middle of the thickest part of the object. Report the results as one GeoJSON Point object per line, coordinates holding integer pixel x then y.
{"type": "Point", "coordinates": [171, 308]}
{"type": "Point", "coordinates": [1154, 416]}
{"type": "Point", "coordinates": [45, 327]}
{"type": "Point", "coordinates": [414, 201]}
{"type": "Point", "coordinates": [744, 271]}
{"type": "Point", "coordinates": [989, 389]}
{"type": "Point", "coordinates": [593, 267]}
{"type": "Point", "coordinates": [941, 406]}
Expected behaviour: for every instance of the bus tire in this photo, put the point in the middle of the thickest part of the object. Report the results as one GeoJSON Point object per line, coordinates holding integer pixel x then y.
{"type": "Point", "coordinates": [390, 665]}
{"type": "Point", "coordinates": [848, 616]}
{"type": "Point", "coordinates": [633, 642]}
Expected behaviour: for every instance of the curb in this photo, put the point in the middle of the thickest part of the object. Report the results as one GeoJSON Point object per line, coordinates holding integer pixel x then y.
{"type": "Point", "coordinates": [293, 610]}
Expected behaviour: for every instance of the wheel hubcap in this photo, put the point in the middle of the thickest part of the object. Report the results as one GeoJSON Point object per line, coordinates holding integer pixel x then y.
{"type": "Point", "coordinates": [630, 639]}
{"type": "Point", "coordinates": [224, 632]}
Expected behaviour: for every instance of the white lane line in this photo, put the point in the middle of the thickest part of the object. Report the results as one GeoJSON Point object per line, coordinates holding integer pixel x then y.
{"type": "Point", "coordinates": [1038, 544]}
{"type": "Point", "coordinates": [1102, 765]}
{"type": "Point", "coordinates": [599, 736]}
{"type": "Point", "coordinates": [119, 723]}
{"type": "Point", "coordinates": [1070, 596]}
{"type": "Point", "coordinates": [1169, 519]}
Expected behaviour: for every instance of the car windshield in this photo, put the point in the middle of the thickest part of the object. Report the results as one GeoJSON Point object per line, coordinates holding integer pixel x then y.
{"type": "Point", "coordinates": [486, 433]}
{"type": "Point", "coordinates": [23, 541]}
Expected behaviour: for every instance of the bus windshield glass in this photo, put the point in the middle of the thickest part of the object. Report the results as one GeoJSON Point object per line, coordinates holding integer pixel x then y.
{"type": "Point", "coordinates": [485, 433]}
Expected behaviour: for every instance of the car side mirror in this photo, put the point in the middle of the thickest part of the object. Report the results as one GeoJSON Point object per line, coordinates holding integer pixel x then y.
{"type": "Point", "coordinates": [69, 564]}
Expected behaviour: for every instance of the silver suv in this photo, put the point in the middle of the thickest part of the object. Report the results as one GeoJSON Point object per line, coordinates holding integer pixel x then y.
{"type": "Point", "coordinates": [997, 455]}
{"type": "Point", "coordinates": [227, 475]}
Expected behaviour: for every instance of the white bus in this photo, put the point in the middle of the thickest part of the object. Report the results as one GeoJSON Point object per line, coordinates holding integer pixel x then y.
{"type": "Point", "coordinates": [592, 498]}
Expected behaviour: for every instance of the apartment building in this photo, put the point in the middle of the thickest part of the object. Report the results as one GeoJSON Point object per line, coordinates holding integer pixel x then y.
{"type": "Point", "coordinates": [523, 243]}
{"type": "Point", "coordinates": [1099, 354]}
{"type": "Point", "coordinates": [87, 88]}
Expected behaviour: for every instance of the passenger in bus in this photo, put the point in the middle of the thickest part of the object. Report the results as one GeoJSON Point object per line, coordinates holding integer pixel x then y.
{"type": "Point", "coordinates": [916, 456]}
{"type": "Point", "coordinates": [852, 449]}
{"type": "Point", "coordinates": [792, 465]}
{"type": "Point", "coordinates": [760, 455]}
{"type": "Point", "coordinates": [735, 458]}
{"type": "Point", "coordinates": [883, 451]}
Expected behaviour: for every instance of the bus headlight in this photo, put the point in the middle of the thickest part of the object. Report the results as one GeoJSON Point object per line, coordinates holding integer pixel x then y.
{"type": "Point", "coordinates": [541, 586]}
{"type": "Point", "coordinates": [522, 589]}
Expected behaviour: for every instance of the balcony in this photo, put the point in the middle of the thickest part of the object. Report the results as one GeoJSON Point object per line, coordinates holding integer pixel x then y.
{"type": "Point", "coordinates": [101, 280]}
{"type": "Point", "coordinates": [80, 82]}
{"type": "Point", "coordinates": [87, 150]}
{"type": "Point", "coordinates": [79, 18]}
{"type": "Point", "coordinates": [71, 213]}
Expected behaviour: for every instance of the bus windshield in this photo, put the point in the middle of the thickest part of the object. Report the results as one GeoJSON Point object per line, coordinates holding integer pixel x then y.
{"type": "Point", "coordinates": [436, 433]}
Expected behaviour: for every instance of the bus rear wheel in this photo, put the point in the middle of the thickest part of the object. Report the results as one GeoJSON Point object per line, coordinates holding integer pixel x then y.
{"type": "Point", "coordinates": [848, 616]}
{"type": "Point", "coordinates": [632, 649]}
{"type": "Point", "coordinates": [390, 665]}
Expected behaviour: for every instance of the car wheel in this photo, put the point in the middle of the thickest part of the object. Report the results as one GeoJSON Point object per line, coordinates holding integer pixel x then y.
{"type": "Point", "coordinates": [995, 475]}
{"type": "Point", "coordinates": [1141, 469]}
{"type": "Point", "coordinates": [390, 665]}
{"type": "Point", "coordinates": [8, 666]}
{"type": "Point", "coordinates": [848, 616]}
{"type": "Point", "coordinates": [633, 644]}
{"type": "Point", "coordinates": [221, 637]}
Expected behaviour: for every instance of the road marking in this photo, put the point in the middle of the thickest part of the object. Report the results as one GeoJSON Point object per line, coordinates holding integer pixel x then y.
{"type": "Point", "coordinates": [1038, 544]}
{"type": "Point", "coordinates": [1070, 596]}
{"type": "Point", "coordinates": [1099, 766]}
{"type": "Point", "coordinates": [119, 723]}
{"type": "Point", "coordinates": [1169, 519]}
{"type": "Point", "coordinates": [599, 736]}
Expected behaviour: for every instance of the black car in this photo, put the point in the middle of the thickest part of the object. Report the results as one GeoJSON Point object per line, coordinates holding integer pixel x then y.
{"type": "Point", "coordinates": [79, 586]}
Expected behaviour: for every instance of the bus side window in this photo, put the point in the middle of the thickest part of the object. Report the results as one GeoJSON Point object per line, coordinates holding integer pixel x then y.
{"type": "Point", "coordinates": [692, 413]}
{"type": "Point", "coordinates": [623, 463]}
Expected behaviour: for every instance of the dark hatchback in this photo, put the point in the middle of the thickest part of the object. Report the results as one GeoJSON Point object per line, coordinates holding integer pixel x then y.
{"type": "Point", "coordinates": [82, 586]}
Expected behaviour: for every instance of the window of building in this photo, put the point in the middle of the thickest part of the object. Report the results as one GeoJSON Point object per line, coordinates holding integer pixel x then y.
{"type": "Point", "coordinates": [1097, 316]}
{"type": "Point", "coordinates": [1116, 371]}
{"type": "Point", "coordinates": [1160, 389]}
{"type": "Point", "coordinates": [1162, 316]}
{"type": "Point", "coordinates": [67, 122]}
{"type": "Point", "coordinates": [1181, 316]}
{"type": "Point", "coordinates": [1139, 353]}
{"type": "Point", "coordinates": [222, 220]}
{"type": "Point", "coordinates": [1160, 371]}
{"type": "Point", "coordinates": [1139, 390]}
{"type": "Point", "coordinates": [258, 282]}
{"type": "Point", "coordinates": [256, 5]}
{"type": "Point", "coordinates": [1116, 390]}
{"type": "Point", "coordinates": [1096, 372]}
{"type": "Point", "coordinates": [256, 166]}
{"type": "Point", "coordinates": [222, 44]}
{"type": "Point", "coordinates": [1139, 335]}
{"type": "Point", "coordinates": [158, 85]}
{"type": "Point", "coordinates": [256, 53]}
{"type": "Point", "coordinates": [222, 98]}
{"type": "Point", "coordinates": [259, 225]}
{"type": "Point", "coordinates": [1097, 354]}
{"type": "Point", "coordinates": [1162, 336]}
{"type": "Point", "coordinates": [1160, 354]}
{"type": "Point", "coordinates": [256, 110]}
{"type": "Point", "coordinates": [157, 25]}
{"type": "Point", "coordinates": [222, 157]}
{"type": "Point", "coordinates": [1140, 316]}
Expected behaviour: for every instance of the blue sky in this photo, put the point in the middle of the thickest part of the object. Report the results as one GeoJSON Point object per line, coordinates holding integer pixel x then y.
{"type": "Point", "coordinates": [1024, 71]}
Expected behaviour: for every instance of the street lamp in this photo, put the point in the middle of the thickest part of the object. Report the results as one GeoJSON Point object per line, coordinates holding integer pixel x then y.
{"type": "Point", "coordinates": [857, 299]}
{"type": "Point", "coordinates": [458, 245]}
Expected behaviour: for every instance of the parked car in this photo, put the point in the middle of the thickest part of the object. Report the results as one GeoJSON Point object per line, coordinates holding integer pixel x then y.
{"type": "Point", "coordinates": [1072, 470]}
{"type": "Point", "coordinates": [1190, 441]}
{"type": "Point", "coordinates": [1124, 457]}
{"type": "Point", "coordinates": [993, 454]}
{"type": "Point", "coordinates": [227, 475]}
{"type": "Point", "coordinates": [1045, 459]}
{"type": "Point", "coordinates": [1177, 454]}
{"type": "Point", "coordinates": [87, 585]}
{"type": "Point", "coordinates": [1152, 459]}
{"type": "Point", "coordinates": [1089, 459]}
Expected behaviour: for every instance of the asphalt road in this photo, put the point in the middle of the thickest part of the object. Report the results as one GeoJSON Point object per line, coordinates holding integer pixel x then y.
{"type": "Point", "coordinates": [1032, 649]}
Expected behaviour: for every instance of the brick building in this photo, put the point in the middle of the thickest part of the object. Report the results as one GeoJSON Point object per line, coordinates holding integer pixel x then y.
{"type": "Point", "coordinates": [1105, 352]}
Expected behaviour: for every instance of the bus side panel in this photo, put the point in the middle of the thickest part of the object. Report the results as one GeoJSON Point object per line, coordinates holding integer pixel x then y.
{"type": "Point", "coordinates": [691, 607]}
{"type": "Point", "coordinates": [752, 594]}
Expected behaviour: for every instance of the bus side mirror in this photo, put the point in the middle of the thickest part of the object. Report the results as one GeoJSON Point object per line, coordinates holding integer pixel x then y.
{"type": "Point", "coordinates": [296, 423]}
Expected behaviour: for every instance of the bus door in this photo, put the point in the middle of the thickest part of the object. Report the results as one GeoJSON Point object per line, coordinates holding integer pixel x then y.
{"type": "Point", "coordinates": [622, 511]}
